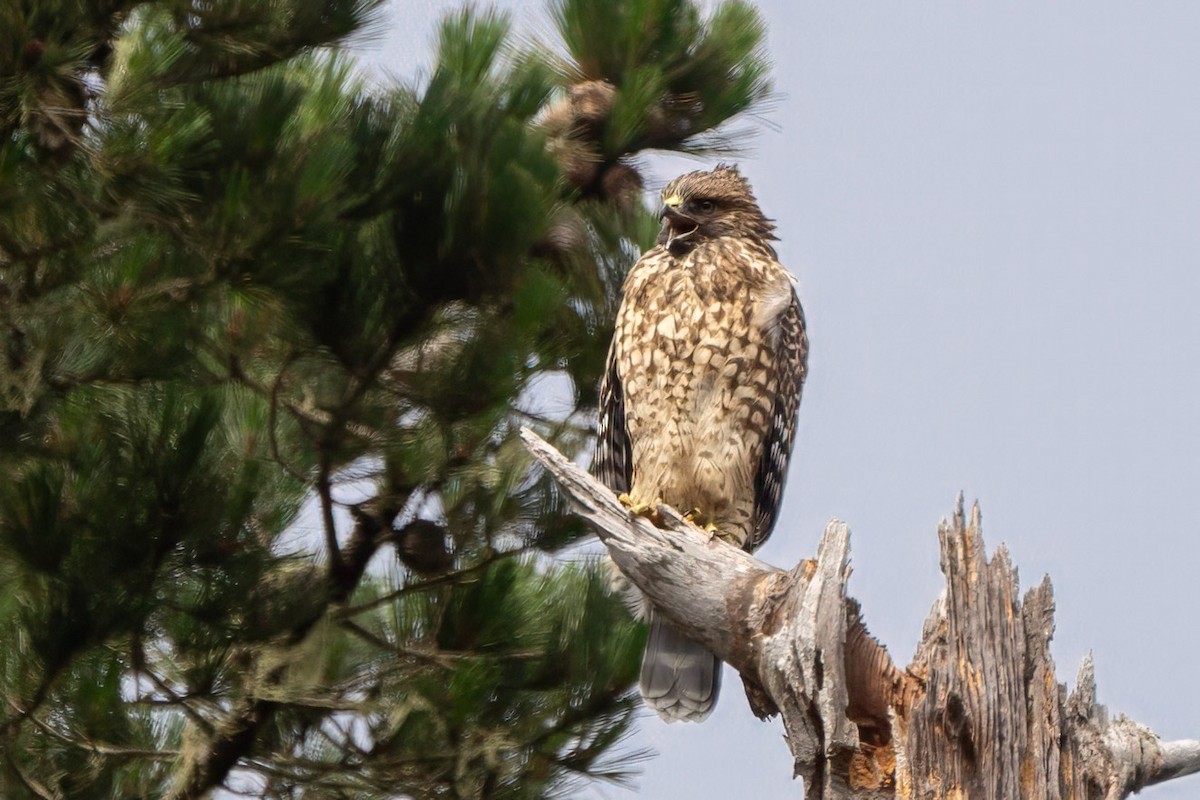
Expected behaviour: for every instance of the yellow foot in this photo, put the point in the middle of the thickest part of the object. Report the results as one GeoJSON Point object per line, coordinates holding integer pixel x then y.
{"type": "Point", "coordinates": [703, 520]}
{"type": "Point", "coordinates": [727, 538]}
{"type": "Point", "coordinates": [647, 510]}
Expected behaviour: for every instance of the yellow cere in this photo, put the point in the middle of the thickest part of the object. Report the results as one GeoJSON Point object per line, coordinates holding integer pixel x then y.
{"type": "Point", "coordinates": [673, 201]}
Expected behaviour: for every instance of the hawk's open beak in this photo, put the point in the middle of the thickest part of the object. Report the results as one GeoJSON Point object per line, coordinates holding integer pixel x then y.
{"type": "Point", "coordinates": [676, 226]}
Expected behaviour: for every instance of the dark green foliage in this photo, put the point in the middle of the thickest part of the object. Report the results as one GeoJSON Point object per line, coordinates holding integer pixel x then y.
{"type": "Point", "coordinates": [694, 73]}
{"type": "Point", "coordinates": [266, 338]}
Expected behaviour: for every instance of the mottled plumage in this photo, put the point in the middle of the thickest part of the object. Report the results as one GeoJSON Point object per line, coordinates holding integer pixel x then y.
{"type": "Point", "coordinates": [699, 400]}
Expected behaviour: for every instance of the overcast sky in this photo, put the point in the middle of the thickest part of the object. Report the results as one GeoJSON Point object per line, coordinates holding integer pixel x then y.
{"type": "Point", "coordinates": [993, 210]}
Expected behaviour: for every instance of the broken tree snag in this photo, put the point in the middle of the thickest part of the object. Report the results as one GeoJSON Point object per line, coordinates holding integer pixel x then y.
{"type": "Point", "coordinates": [969, 730]}
{"type": "Point", "coordinates": [799, 647]}
{"type": "Point", "coordinates": [979, 713]}
{"type": "Point", "coordinates": [992, 721]}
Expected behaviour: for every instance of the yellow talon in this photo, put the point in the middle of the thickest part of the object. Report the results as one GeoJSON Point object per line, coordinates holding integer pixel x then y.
{"type": "Point", "coordinates": [702, 520]}
{"type": "Point", "coordinates": [714, 532]}
{"type": "Point", "coordinates": [729, 538]}
{"type": "Point", "coordinates": [647, 510]}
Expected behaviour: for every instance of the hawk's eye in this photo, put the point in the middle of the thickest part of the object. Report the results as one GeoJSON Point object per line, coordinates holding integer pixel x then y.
{"type": "Point", "coordinates": [705, 205]}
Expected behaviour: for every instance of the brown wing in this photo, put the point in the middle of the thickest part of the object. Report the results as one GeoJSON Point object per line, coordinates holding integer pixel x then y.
{"type": "Point", "coordinates": [791, 363]}
{"type": "Point", "coordinates": [614, 459]}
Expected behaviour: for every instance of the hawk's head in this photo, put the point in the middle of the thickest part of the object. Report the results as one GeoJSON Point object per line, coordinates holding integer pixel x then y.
{"type": "Point", "coordinates": [701, 206]}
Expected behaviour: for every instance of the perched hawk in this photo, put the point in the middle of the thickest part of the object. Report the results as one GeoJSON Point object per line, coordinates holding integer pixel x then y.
{"type": "Point", "coordinates": [699, 399]}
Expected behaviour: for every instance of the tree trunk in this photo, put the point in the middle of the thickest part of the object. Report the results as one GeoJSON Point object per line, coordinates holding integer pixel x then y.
{"type": "Point", "coordinates": [978, 714]}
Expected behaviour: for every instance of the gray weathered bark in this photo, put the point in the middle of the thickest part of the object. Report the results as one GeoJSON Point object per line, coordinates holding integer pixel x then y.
{"type": "Point", "coordinates": [978, 714]}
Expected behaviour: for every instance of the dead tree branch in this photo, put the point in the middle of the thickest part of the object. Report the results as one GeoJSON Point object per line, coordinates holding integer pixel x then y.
{"type": "Point", "coordinates": [978, 713]}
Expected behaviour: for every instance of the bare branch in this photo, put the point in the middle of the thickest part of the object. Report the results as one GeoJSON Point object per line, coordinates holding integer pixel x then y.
{"type": "Point", "coordinates": [1176, 759]}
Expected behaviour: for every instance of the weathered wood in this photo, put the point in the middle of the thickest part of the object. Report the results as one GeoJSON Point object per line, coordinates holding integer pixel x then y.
{"type": "Point", "coordinates": [969, 728]}
{"type": "Point", "coordinates": [978, 714]}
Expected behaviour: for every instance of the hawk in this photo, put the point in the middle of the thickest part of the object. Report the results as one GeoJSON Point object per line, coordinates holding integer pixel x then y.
{"type": "Point", "coordinates": [701, 390]}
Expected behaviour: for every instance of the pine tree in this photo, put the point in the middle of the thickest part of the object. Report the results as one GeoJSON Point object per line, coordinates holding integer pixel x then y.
{"type": "Point", "coordinates": [268, 335]}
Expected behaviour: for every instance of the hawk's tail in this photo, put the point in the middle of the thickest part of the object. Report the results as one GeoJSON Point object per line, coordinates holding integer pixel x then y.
{"type": "Point", "coordinates": [680, 679]}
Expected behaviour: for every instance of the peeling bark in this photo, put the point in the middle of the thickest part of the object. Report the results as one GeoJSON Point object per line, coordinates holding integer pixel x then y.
{"type": "Point", "coordinates": [978, 713]}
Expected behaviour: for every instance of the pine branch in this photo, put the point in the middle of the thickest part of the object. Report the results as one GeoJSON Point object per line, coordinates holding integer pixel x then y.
{"type": "Point", "coordinates": [235, 741]}
{"type": "Point", "coordinates": [238, 731]}
{"type": "Point", "coordinates": [34, 786]}
{"type": "Point", "coordinates": [104, 748]}
{"type": "Point", "coordinates": [429, 583]}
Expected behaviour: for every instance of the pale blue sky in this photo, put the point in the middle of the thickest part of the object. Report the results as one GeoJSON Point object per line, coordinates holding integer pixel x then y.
{"type": "Point", "coordinates": [993, 210]}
